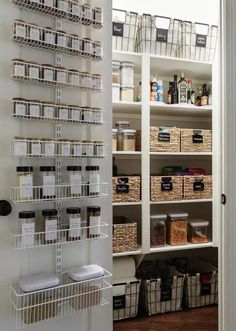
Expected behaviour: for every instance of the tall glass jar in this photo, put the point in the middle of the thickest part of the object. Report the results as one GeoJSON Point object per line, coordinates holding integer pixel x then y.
{"type": "Point", "coordinates": [50, 226]}
{"type": "Point", "coordinates": [48, 182]}
{"type": "Point", "coordinates": [24, 183]}
{"type": "Point", "coordinates": [74, 216]}
{"type": "Point", "coordinates": [158, 230]}
{"type": "Point", "coordinates": [27, 228]}
{"type": "Point", "coordinates": [121, 125]}
{"type": "Point", "coordinates": [94, 221]}
{"type": "Point", "coordinates": [75, 180]}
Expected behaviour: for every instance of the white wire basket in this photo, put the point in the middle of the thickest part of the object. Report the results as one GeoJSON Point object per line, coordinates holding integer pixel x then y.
{"type": "Point", "coordinates": [66, 299]}
{"type": "Point", "coordinates": [76, 115]}
{"type": "Point", "coordinates": [36, 240]}
{"type": "Point", "coordinates": [57, 192]}
{"type": "Point", "coordinates": [75, 12]}
{"type": "Point", "coordinates": [198, 41]}
{"type": "Point", "coordinates": [85, 81]}
{"type": "Point", "coordinates": [158, 35]}
{"type": "Point", "coordinates": [31, 148]}
{"type": "Point", "coordinates": [62, 41]}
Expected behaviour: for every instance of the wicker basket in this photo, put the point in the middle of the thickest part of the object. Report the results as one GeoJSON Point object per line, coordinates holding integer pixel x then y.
{"type": "Point", "coordinates": [166, 188]}
{"type": "Point", "coordinates": [126, 189]}
{"type": "Point", "coordinates": [196, 140]}
{"type": "Point", "coordinates": [124, 235]}
{"type": "Point", "coordinates": [197, 187]}
{"type": "Point", "coordinates": [164, 139]}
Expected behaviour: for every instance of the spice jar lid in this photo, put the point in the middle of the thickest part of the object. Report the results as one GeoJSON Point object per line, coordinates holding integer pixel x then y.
{"type": "Point", "coordinates": [127, 64]}
{"type": "Point", "coordinates": [92, 168]}
{"type": "Point", "coordinates": [26, 214]}
{"type": "Point", "coordinates": [24, 169]}
{"type": "Point", "coordinates": [74, 168]}
{"type": "Point", "coordinates": [47, 168]}
{"type": "Point", "coordinates": [73, 210]}
{"type": "Point", "coordinates": [128, 131]}
{"type": "Point", "coordinates": [93, 208]}
{"type": "Point", "coordinates": [114, 131]}
{"type": "Point", "coordinates": [198, 222]}
{"type": "Point", "coordinates": [122, 123]}
{"type": "Point", "coordinates": [49, 212]}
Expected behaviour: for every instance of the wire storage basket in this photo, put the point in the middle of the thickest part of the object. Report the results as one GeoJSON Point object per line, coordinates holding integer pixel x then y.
{"type": "Point", "coordinates": [124, 30]}
{"type": "Point", "coordinates": [158, 35]}
{"type": "Point", "coordinates": [198, 41]}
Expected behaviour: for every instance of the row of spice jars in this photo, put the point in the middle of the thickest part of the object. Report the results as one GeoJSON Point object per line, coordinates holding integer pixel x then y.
{"type": "Point", "coordinates": [123, 138]}
{"type": "Point", "coordinates": [57, 39]}
{"type": "Point", "coordinates": [80, 183]}
{"type": "Point", "coordinates": [175, 229]}
{"type": "Point", "coordinates": [57, 75]}
{"type": "Point", "coordinates": [73, 9]}
{"type": "Point", "coordinates": [49, 110]}
{"type": "Point", "coordinates": [49, 147]}
{"type": "Point", "coordinates": [47, 231]}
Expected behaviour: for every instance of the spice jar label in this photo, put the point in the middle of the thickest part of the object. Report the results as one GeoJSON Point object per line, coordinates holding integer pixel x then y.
{"type": "Point", "coordinates": [118, 29]}
{"type": "Point", "coordinates": [20, 109]}
{"type": "Point", "coordinates": [75, 227]}
{"type": "Point", "coordinates": [75, 114]}
{"type": "Point", "coordinates": [36, 148]}
{"type": "Point", "coordinates": [197, 138]}
{"type": "Point", "coordinates": [34, 33]}
{"type": "Point", "coordinates": [198, 186]}
{"type": "Point", "coordinates": [34, 73]}
{"type": "Point", "coordinates": [49, 186]}
{"type": "Point", "coordinates": [75, 182]}
{"type": "Point", "coordinates": [166, 186]}
{"type": "Point", "coordinates": [65, 149]}
{"type": "Point", "coordinates": [119, 302]}
{"type": "Point", "coordinates": [76, 44]}
{"type": "Point", "coordinates": [78, 150]}
{"type": "Point", "coordinates": [20, 31]}
{"type": "Point", "coordinates": [48, 74]}
{"type": "Point", "coordinates": [27, 231]}
{"type": "Point", "coordinates": [63, 113]}
{"type": "Point", "coordinates": [163, 136]}
{"type": "Point", "coordinates": [62, 41]}
{"type": "Point", "coordinates": [49, 148]}
{"type": "Point", "coordinates": [51, 230]}
{"type": "Point", "coordinates": [49, 38]}
{"type": "Point", "coordinates": [26, 187]}
{"type": "Point", "coordinates": [95, 222]}
{"type": "Point", "coordinates": [48, 112]}
{"type": "Point", "coordinates": [34, 110]}
{"type": "Point", "coordinates": [94, 184]}
{"type": "Point", "coordinates": [201, 40]}
{"type": "Point", "coordinates": [76, 10]}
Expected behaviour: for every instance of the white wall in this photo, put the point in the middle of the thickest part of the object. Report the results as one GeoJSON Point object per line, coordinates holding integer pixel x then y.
{"type": "Point", "coordinates": [203, 11]}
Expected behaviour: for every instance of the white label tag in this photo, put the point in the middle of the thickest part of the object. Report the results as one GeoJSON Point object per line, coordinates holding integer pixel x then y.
{"type": "Point", "coordinates": [48, 74]}
{"type": "Point", "coordinates": [88, 47]}
{"type": "Point", "coordinates": [34, 110]}
{"type": "Point", "coordinates": [20, 148]}
{"type": "Point", "coordinates": [48, 111]}
{"type": "Point", "coordinates": [51, 225]}
{"type": "Point", "coordinates": [63, 113]}
{"type": "Point", "coordinates": [61, 77]}
{"type": "Point", "coordinates": [34, 73]}
{"type": "Point", "coordinates": [36, 148]}
{"type": "Point", "coordinates": [49, 183]}
{"type": "Point", "coordinates": [94, 181]}
{"type": "Point", "coordinates": [65, 149]}
{"type": "Point", "coordinates": [20, 70]}
{"type": "Point", "coordinates": [49, 148]}
{"type": "Point", "coordinates": [26, 187]}
{"type": "Point", "coordinates": [20, 31]}
{"type": "Point", "coordinates": [49, 38]}
{"type": "Point", "coordinates": [75, 114]}
{"type": "Point", "coordinates": [75, 224]}
{"type": "Point", "coordinates": [100, 150]}
{"type": "Point", "coordinates": [75, 183]}
{"type": "Point", "coordinates": [20, 109]}
{"type": "Point", "coordinates": [96, 222]}
{"type": "Point", "coordinates": [34, 33]}
{"type": "Point", "coordinates": [27, 231]}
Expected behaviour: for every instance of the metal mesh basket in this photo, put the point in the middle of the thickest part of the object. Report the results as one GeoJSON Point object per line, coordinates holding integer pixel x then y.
{"type": "Point", "coordinates": [124, 30]}
{"type": "Point", "coordinates": [158, 35]}
{"type": "Point", "coordinates": [198, 41]}
{"type": "Point", "coordinates": [125, 300]}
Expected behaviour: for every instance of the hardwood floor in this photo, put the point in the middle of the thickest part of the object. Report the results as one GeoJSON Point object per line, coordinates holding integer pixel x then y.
{"type": "Point", "coordinates": [200, 319]}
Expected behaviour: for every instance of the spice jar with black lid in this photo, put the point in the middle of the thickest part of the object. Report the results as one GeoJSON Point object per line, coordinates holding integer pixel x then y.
{"type": "Point", "coordinates": [24, 183]}
{"type": "Point", "coordinates": [20, 107]}
{"type": "Point", "coordinates": [75, 180]}
{"type": "Point", "coordinates": [94, 221]}
{"type": "Point", "coordinates": [74, 216]}
{"type": "Point", "coordinates": [50, 225]}
{"type": "Point", "coordinates": [61, 38]}
{"type": "Point", "coordinates": [98, 17]}
{"type": "Point", "coordinates": [87, 14]}
{"type": "Point", "coordinates": [49, 36]}
{"type": "Point", "coordinates": [20, 30]}
{"type": "Point", "coordinates": [27, 228]}
{"type": "Point", "coordinates": [48, 182]}
{"type": "Point", "coordinates": [93, 180]}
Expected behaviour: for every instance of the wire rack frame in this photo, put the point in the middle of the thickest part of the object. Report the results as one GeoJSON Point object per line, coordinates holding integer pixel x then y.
{"type": "Point", "coordinates": [63, 236]}
{"type": "Point", "coordinates": [51, 193]}
{"type": "Point", "coordinates": [36, 148]}
{"type": "Point", "coordinates": [80, 14]}
{"type": "Point", "coordinates": [84, 82]}
{"type": "Point", "coordinates": [67, 298]}
{"type": "Point", "coordinates": [95, 47]}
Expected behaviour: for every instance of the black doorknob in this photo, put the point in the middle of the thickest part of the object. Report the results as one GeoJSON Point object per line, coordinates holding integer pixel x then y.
{"type": "Point", "coordinates": [5, 208]}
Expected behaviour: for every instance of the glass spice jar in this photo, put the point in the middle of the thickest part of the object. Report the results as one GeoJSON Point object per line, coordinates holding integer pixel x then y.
{"type": "Point", "coordinates": [63, 112]}
{"type": "Point", "coordinates": [97, 82]}
{"type": "Point", "coordinates": [98, 17]}
{"type": "Point", "coordinates": [94, 221]}
{"type": "Point", "coordinates": [49, 36]}
{"type": "Point", "coordinates": [88, 48]}
{"type": "Point", "coordinates": [99, 148]}
{"type": "Point", "coordinates": [20, 30]}
{"type": "Point", "coordinates": [48, 182]}
{"type": "Point", "coordinates": [61, 38]}
{"type": "Point", "coordinates": [21, 146]}
{"type": "Point", "coordinates": [74, 216]}
{"type": "Point", "coordinates": [48, 72]}
{"type": "Point", "coordinates": [98, 49]}
{"type": "Point", "coordinates": [63, 5]}
{"type": "Point", "coordinates": [24, 183]}
{"type": "Point", "coordinates": [48, 147]}
{"type": "Point", "coordinates": [19, 68]}
{"type": "Point", "coordinates": [61, 75]}
{"type": "Point", "coordinates": [50, 3]}
{"type": "Point", "coordinates": [27, 228]}
{"type": "Point", "coordinates": [48, 110]}
{"type": "Point", "coordinates": [75, 9]}
{"type": "Point", "coordinates": [75, 180]}
{"type": "Point", "coordinates": [88, 148]}
{"type": "Point", "coordinates": [97, 115]}
{"type": "Point", "coordinates": [50, 225]}
{"type": "Point", "coordinates": [34, 109]}
{"type": "Point", "coordinates": [87, 14]}
{"type": "Point", "coordinates": [35, 147]}
{"type": "Point", "coordinates": [74, 113]}
{"type": "Point", "coordinates": [64, 147]}
{"type": "Point", "coordinates": [77, 148]}
{"type": "Point", "coordinates": [75, 43]}
{"type": "Point", "coordinates": [20, 107]}
{"type": "Point", "coordinates": [87, 115]}
{"type": "Point", "coordinates": [86, 80]}
{"type": "Point", "coordinates": [74, 77]}
{"type": "Point", "coordinates": [93, 180]}
{"type": "Point", "coordinates": [34, 71]}
{"type": "Point", "coordinates": [34, 32]}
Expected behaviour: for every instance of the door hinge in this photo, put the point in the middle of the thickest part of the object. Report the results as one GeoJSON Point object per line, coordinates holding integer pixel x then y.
{"type": "Point", "coordinates": [223, 199]}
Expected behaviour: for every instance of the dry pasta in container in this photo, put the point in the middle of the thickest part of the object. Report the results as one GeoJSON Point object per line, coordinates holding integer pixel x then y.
{"type": "Point", "coordinates": [158, 35]}
{"type": "Point", "coordinates": [166, 188]}
{"type": "Point", "coordinates": [197, 187]}
{"type": "Point", "coordinates": [177, 225]}
{"type": "Point", "coordinates": [198, 41]}
{"type": "Point", "coordinates": [124, 30]}
{"type": "Point", "coordinates": [193, 140]}
{"type": "Point", "coordinates": [164, 139]}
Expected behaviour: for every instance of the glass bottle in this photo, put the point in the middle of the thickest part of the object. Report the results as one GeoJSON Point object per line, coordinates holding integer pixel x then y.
{"type": "Point", "coordinates": [174, 94]}
{"type": "Point", "coordinates": [183, 89]}
{"type": "Point", "coordinates": [169, 93]}
{"type": "Point", "coordinates": [191, 94]}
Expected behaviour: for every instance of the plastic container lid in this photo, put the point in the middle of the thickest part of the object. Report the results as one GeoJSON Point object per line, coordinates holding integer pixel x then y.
{"type": "Point", "coordinates": [115, 85]}
{"type": "Point", "coordinates": [127, 65]}
{"type": "Point", "coordinates": [47, 168]}
{"type": "Point", "coordinates": [86, 272]}
{"type": "Point", "coordinates": [38, 282]}
{"type": "Point", "coordinates": [24, 169]}
{"type": "Point", "coordinates": [126, 87]}
{"type": "Point", "coordinates": [129, 131]}
{"type": "Point", "coordinates": [119, 123]}
{"type": "Point", "coordinates": [74, 168]}
{"type": "Point", "coordinates": [26, 214]}
{"type": "Point", "coordinates": [49, 212]}
{"type": "Point", "coordinates": [158, 217]}
{"type": "Point", "coordinates": [198, 222]}
{"type": "Point", "coordinates": [73, 210]}
{"type": "Point", "coordinates": [177, 216]}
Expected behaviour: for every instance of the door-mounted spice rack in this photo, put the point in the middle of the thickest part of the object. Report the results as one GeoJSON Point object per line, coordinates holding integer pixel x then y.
{"type": "Point", "coordinates": [40, 74]}
{"type": "Point", "coordinates": [70, 10]}
{"type": "Point", "coordinates": [68, 298]}
{"type": "Point", "coordinates": [32, 35]}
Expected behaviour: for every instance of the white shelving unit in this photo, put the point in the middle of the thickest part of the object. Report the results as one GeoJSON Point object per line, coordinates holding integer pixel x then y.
{"type": "Point", "coordinates": [145, 114]}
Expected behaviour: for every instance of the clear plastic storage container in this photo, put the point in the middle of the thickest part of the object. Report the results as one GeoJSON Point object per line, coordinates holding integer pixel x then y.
{"type": "Point", "coordinates": [158, 230]}
{"type": "Point", "coordinates": [127, 73]}
{"type": "Point", "coordinates": [127, 93]}
{"type": "Point", "coordinates": [121, 125]}
{"type": "Point", "coordinates": [198, 231]}
{"type": "Point", "coordinates": [116, 72]}
{"type": "Point", "coordinates": [177, 224]}
{"type": "Point", "coordinates": [115, 92]}
{"type": "Point", "coordinates": [128, 140]}
{"type": "Point", "coordinates": [114, 139]}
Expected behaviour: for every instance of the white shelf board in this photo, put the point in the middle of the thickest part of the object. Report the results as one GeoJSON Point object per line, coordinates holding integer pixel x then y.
{"type": "Point", "coordinates": [127, 107]}
{"type": "Point", "coordinates": [120, 204]}
{"type": "Point", "coordinates": [138, 251]}
{"type": "Point", "coordinates": [136, 58]}
{"type": "Point", "coordinates": [169, 248]}
{"type": "Point", "coordinates": [168, 66]}
{"type": "Point", "coordinates": [163, 109]}
{"type": "Point", "coordinates": [127, 155]}
{"type": "Point", "coordinates": [188, 155]}
{"type": "Point", "coordinates": [181, 201]}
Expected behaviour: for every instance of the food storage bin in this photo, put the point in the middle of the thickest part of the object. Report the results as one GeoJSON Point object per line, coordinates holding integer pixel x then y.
{"type": "Point", "coordinates": [121, 125]}
{"type": "Point", "coordinates": [127, 93]}
{"type": "Point", "coordinates": [193, 140]}
{"type": "Point", "coordinates": [166, 188]}
{"type": "Point", "coordinates": [177, 229]}
{"type": "Point", "coordinates": [115, 92]}
{"type": "Point", "coordinates": [158, 230]}
{"type": "Point", "coordinates": [197, 187]}
{"type": "Point", "coordinates": [116, 72]}
{"type": "Point", "coordinates": [128, 140]}
{"type": "Point", "coordinates": [126, 189]}
{"type": "Point", "coordinates": [164, 139]}
{"type": "Point", "coordinates": [198, 231]}
{"type": "Point", "coordinates": [127, 73]}
{"type": "Point", "coordinates": [124, 235]}
{"type": "Point", "coordinates": [114, 140]}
